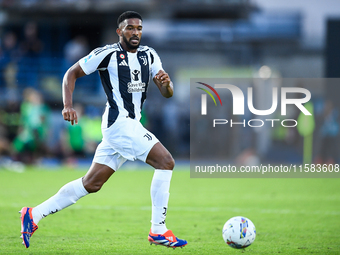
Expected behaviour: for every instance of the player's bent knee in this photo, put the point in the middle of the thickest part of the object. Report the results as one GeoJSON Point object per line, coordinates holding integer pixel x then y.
{"type": "Point", "coordinates": [96, 177]}
{"type": "Point", "coordinates": [168, 162]}
{"type": "Point", "coordinates": [92, 187]}
{"type": "Point", "coordinates": [160, 158]}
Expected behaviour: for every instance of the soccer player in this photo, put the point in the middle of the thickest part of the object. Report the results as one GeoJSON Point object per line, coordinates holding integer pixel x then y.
{"type": "Point", "coordinates": [125, 69]}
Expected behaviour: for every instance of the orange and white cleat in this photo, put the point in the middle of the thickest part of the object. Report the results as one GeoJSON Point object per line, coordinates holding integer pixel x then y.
{"type": "Point", "coordinates": [167, 239]}
{"type": "Point", "coordinates": [28, 227]}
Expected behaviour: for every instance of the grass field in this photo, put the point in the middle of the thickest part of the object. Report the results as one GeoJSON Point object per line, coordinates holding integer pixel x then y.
{"type": "Point", "coordinates": [292, 216]}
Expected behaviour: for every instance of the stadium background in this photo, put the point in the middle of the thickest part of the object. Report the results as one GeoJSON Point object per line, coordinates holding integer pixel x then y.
{"type": "Point", "coordinates": [41, 39]}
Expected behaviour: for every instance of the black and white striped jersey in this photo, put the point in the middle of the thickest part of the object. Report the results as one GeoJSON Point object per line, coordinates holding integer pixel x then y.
{"type": "Point", "coordinates": [125, 77]}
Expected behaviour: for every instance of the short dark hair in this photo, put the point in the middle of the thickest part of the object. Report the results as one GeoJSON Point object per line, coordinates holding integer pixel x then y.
{"type": "Point", "coordinates": [128, 15]}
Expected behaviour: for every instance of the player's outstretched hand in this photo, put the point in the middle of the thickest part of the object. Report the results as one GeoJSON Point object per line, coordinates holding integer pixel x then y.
{"type": "Point", "coordinates": [163, 78]}
{"type": "Point", "coordinates": [70, 115]}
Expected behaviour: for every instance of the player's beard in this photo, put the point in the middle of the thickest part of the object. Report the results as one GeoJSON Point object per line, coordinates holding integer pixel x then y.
{"type": "Point", "coordinates": [129, 45]}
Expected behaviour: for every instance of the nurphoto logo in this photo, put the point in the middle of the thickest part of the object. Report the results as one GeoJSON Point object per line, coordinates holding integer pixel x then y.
{"type": "Point", "coordinates": [238, 105]}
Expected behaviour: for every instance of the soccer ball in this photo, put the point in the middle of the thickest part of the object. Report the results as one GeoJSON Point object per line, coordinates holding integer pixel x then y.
{"type": "Point", "coordinates": [239, 232]}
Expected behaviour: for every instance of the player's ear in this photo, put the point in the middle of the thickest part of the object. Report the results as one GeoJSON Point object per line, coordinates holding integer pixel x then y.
{"type": "Point", "coordinates": [119, 32]}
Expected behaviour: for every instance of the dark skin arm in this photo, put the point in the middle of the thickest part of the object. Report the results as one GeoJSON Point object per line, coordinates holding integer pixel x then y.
{"type": "Point", "coordinates": [164, 84]}
{"type": "Point", "coordinates": [70, 77]}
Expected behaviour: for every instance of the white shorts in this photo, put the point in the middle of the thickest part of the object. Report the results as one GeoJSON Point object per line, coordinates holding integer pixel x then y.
{"type": "Point", "coordinates": [126, 139]}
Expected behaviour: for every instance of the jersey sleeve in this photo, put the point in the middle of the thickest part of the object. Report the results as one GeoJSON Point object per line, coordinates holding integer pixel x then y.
{"type": "Point", "coordinates": [91, 62]}
{"type": "Point", "coordinates": [157, 63]}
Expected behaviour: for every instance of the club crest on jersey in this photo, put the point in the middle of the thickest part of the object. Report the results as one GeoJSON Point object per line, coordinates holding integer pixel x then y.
{"type": "Point", "coordinates": [122, 56]}
{"type": "Point", "coordinates": [144, 60]}
{"type": "Point", "coordinates": [149, 137]}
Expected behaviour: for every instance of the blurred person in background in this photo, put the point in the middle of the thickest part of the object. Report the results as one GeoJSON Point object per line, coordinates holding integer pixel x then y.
{"type": "Point", "coordinates": [4, 141]}
{"type": "Point", "coordinates": [9, 56]}
{"type": "Point", "coordinates": [31, 50]}
{"type": "Point", "coordinates": [76, 49]}
{"type": "Point", "coordinates": [80, 141]}
{"type": "Point", "coordinates": [31, 46]}
{"type": "Point", "coordinates": [9, 50]}
{"type": "Point", "coordinates": [329, 133]}
{"type": "Point", "coordinates": [29, 143]}
{"type": "Point", "coordinates": [73, 139]}
{"type": "Point", "coordinates": [10, 112]}
{"type": "Point", "coordinates": [10, 119]}
{"type": "Point", "coordinates": [91, 123]}
{"type": "Point", "coordinates": [125, 68]}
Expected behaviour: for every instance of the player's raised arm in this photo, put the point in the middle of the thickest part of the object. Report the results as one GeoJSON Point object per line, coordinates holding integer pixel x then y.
{"type": "Point", "coordinates": [69, 80]}
{"type": "Point", "coordinates": [163, 82]}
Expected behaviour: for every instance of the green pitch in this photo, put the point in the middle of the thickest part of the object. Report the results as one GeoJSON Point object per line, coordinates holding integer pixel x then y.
{"type": "Point", "coordinates": [292, 216]}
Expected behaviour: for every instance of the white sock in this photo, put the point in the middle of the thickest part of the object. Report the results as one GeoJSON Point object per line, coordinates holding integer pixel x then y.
{"type": "Point", "coordinates": [160, 186]}
{"type": "Point", "coordinates": [66, 196]}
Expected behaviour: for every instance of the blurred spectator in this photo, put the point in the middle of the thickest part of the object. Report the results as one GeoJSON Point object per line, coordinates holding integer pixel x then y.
{"type": "Point", "coordinates": [4, 141]}
{"type": "Point", "coordinates": [171, 124]}
{"type": "Point", "coordinates": [56, 129]}
{"type": "Point", "coordinates": [9, 51]}
{"type": "Point", "coordinates": [74, 146]}
{"type": "Point", "coordinates": [329, 132]}
{"type": "Point", "coordinates": [9, 56]}
{"type": "Point", "coordinates": [9, 113]}
{"type": "Point", "coordinates": [91, 123]}
{"type": "Point", "coordinates": [75, 49]}
{"type": "Point", "coordinates": [29, 143]}
{"type": "Point", "coordinates": [31, 48]}
{"type": "Point", "coordinates": [10, 118]}
{"type": "Point", "coordinates": [83, 138]}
